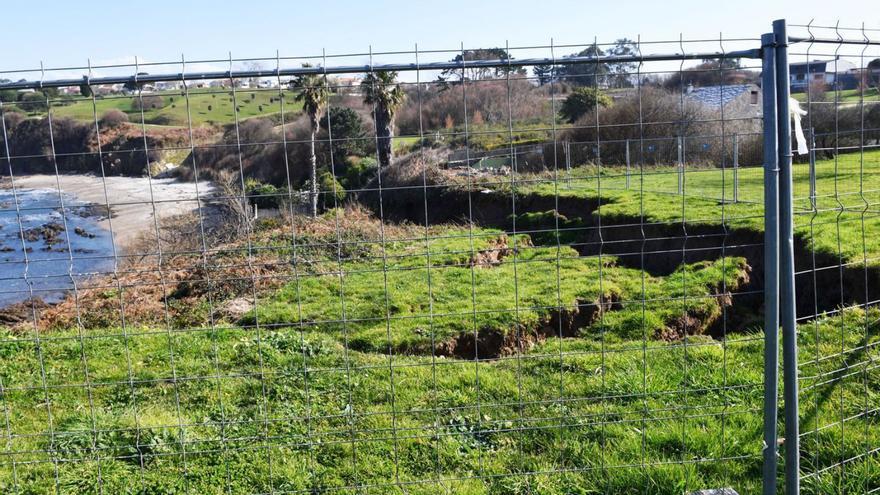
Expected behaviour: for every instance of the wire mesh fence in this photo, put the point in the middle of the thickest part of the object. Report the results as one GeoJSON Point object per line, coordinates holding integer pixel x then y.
{"type": "Point", "coordinates": [530, 269]}
{"type": "Point", "coordinates": [836, 271]}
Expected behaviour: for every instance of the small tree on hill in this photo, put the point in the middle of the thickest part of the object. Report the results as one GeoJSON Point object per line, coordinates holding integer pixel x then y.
{"type": "Point", "coordinates": [344, 126]}
{"type": "Point", "coordinates": [544, 73]}
{"type": "Point", "coordinates": [581, 101]}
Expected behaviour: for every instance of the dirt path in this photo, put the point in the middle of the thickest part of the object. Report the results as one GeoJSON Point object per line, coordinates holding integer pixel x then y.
{"type": "Point", "coordinates": [135, 202]}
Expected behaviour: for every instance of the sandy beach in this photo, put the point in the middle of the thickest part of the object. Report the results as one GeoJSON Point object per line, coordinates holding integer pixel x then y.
{"type": "Point", "coordinates": [135, 202]}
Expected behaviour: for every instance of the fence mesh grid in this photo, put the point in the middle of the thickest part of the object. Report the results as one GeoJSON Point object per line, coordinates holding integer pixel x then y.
{"type": "Point", "coordinates": [491, 278]}
{"type": "Point", "coordinates": [836, 226]}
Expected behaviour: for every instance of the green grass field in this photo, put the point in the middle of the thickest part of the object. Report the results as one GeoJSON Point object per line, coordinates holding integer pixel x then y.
{"type": "Point", "coordinates": [296, 408]}
{"type": "Point", "coordinates": [847, 195]}
{"type": "Point", "coordinates": [214, 107]}
{"type": "Point", "coordinates": [845, 96]}
{"type": "Point", "coordinates": [355, 376]}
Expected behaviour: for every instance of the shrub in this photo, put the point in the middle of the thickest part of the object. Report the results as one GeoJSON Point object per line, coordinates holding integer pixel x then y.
{"type": "Point", "coordinates": [582, 101]}
{"type": "Point", "coordinates": [653, 122]}
{"type": "Point", "coordinates": [147, 102]}
{"type": "Point", "coordinates": [262, 156]}
{"type": "Point", "coordinates": [359, 171]}
{"type": "Point", "coordinates": [332, 194]}
{"type": "Point", "coordinates": [263, 195]}
{"type": "Point", "coordinates": [113, 118]}
{"type": "Point", "coordinates": [12, 119]}
{"type": "Point", "coordinates": [346, 127]}
{"type": "Point", "coordinates": [426, 109]}
{"type": "Point", "coordinates": [33, 102]}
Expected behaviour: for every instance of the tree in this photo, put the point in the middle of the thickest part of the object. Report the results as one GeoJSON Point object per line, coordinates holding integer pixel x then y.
{"type": "Point", "coordinates": [130, 85]}
{"type": "Point", "coordinates": [620, 74]}
{"type": "Point", "coordinates": [582, 101]}
{"type": "Point", "coordinates": [346, 129]}
{"type": "Point", "coordinates": [479, 73]}
{"type": "Point", "coordinates": [312, 93]}
{"type": "Point", "coordinates": [544, 73]}
{"type": "Point", "coordinates": [711, 72]}
{"type": "Point", "coordinates": [384, 94]}
{"type": "Point", "coordinates": [585, 74]}
{"type": "Point", "coordinates": [33, 102]}
{"type": "Point", "coordinates": [84, 88]}
{"type": "Point", "coordinates": [723, 63]}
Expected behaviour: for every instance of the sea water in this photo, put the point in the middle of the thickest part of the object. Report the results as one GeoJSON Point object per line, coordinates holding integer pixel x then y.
{"type": "Point", "coordinates": [49, 243]}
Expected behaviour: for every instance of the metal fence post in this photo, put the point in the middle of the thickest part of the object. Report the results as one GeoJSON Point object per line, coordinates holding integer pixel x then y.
{"type": "Point", "coordinates": [735, 168]}
{"type": "Point", "coordinates": [566, 147]}
{"type": "Point", "coordinates": [771, 262]}
{"type": "Point", "coordinates": [627, 163]}
{"type": "Point", "coordinates": [680, 165]}
{"type": "Point", "coordinates": [813, 168]}
{"type": "Point", "coordinates": [786, 268]}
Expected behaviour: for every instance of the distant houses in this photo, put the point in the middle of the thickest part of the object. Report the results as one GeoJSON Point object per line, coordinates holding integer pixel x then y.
{"type": "Point", "coordinates": [834, 74]}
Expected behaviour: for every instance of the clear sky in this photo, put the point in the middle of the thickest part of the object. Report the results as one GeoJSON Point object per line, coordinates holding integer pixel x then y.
{"type": "Point", "coordinates": [111, 31]}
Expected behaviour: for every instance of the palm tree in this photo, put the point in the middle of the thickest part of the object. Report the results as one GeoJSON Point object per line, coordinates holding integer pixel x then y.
{"type": "Point", "coordinates": [312, 92]}
{"type": "Point", "coordinates": [385, 95]}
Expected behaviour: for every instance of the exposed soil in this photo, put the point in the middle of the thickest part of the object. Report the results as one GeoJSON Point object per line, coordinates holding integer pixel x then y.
{"type": "Point", "coordinates": [493, 343]}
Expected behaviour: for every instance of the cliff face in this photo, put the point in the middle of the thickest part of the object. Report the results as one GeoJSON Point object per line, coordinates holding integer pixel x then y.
{"type": "Point", "coordinates": [70, 146]}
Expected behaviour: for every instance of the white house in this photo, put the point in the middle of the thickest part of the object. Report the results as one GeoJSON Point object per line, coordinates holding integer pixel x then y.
{"type": "Point", "coordinates": [834, 74]}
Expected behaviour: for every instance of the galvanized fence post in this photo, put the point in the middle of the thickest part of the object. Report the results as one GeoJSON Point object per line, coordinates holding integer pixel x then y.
{"type": "Point", "coordinates": [786, 269]}
{"type": "Point", "coordinates": [771, 262]}
{"type": "Point", "coordinates": [680, 165]}
{"type": "Point", "coordinates": [735, 168]}
{"type": "Point", "coordinates": [813, 168]}
{"type": "Point", "coordinates": [566, 147]}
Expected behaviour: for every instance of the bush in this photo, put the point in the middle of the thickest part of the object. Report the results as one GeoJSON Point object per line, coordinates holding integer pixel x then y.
{"type": "Point", "coordinates": [263, 195]}
{"type": "Point", "coordinates": [12, 119]}
{"type": "Point", "coordinates": [347, 130]}
{"type": "Point", "coordinates": [653, 123]}
{"type": "Point", "coordinates": [582, 101]}
{"type": "Point", "coordinates": [33, 102]}
{"type": "Point", "coordinates": [147, 102]}
{"type": "Point", "coordinates": [262, 157]}
{"type": "Point", "coordinates": [332, 194]}
{"type": "Point", "coordinates": [113, 118]}
{"type": "Point", "coordinates": [489, 98]}
{"type": "Point", "coordinates": [359, 171]}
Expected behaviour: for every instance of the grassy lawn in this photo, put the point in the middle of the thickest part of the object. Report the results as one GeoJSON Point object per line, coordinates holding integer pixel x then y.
{"type": "Point", "coordinates": [214, 107]}
{"type": "Point", "coordinates": [392, 296]}
{"type": "Point", "coordinates": [847, 194]}
{"type": "Point", "coordinates": [291, 409]}
{"type": "Point", "coordinates": [845, 96]}
{"type": "Point", "coordinates": [358, 373]}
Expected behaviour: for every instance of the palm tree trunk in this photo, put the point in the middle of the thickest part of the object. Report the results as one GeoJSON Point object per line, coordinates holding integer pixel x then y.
{"type": "Point", "coordinates": [314, 163]}
{"type": "Point", "coordinates": [385, 130]}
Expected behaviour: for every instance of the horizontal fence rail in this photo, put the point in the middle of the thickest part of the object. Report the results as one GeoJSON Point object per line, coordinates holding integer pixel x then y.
{"type": "Point", "coordinates": [429, 66]}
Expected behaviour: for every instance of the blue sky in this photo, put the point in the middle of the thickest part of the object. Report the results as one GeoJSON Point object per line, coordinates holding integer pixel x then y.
{"type": "Point", "coordinates": [112, 31]}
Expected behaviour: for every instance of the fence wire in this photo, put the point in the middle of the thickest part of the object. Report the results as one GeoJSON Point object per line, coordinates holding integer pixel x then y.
{"type": "Point", "coordinates": [527, 269]}
{"type": "Point", "coordinates": [836, 220]}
